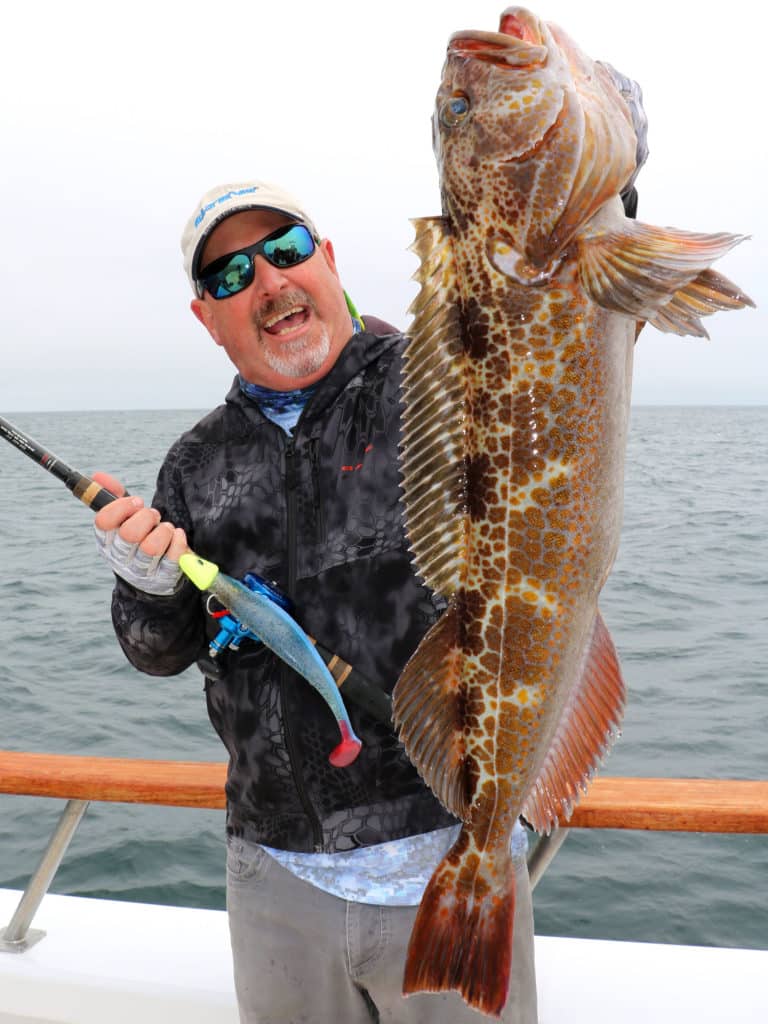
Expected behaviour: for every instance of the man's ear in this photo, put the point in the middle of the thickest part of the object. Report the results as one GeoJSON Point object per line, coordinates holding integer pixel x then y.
{"type": "Point", "coordinates": [326, 247]}
{"type": "Point", "coordinates": [204, 314]}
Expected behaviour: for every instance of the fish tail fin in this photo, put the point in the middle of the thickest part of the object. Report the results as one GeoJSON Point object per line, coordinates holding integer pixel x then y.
{"type": "Point", "coordinates": [462, 935]}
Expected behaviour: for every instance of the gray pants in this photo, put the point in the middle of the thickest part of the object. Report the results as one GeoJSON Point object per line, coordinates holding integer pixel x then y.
{"type": "Point", "coordinates": [302, 956]}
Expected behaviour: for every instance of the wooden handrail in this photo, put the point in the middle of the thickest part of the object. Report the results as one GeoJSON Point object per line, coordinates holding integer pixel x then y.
{"type": "Point", "coordinates": [114, 779]}
{"type": "Point", "coordinates": [674, 805]}
{"type": "Point", "coordinates": [668, 805]}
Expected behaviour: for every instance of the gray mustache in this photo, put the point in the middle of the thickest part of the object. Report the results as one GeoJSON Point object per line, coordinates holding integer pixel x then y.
{"type": "Point", "coordinates": [281, 305]}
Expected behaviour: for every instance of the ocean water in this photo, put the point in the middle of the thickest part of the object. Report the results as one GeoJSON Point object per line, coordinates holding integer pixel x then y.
{"type": "Point", "coordinates": [687, 604]}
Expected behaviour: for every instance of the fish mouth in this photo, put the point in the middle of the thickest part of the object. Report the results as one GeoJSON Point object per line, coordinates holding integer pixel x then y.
{"type": "Point", "coordinates": [518, 43]}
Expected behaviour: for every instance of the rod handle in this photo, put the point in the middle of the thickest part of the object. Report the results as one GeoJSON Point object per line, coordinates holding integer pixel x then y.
{"type": "Point", "coordinates": [92, 494]}
{"type": "Point", "coordinates": [356, 686]}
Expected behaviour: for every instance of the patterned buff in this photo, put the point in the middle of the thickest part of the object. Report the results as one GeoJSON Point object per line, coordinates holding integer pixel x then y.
{"type": "Point", "coordinates": [282, 407]}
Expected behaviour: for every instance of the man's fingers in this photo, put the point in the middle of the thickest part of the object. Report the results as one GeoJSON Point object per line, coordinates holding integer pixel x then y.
{"type": "Point", "coordinates": [137, 527]}
{"type": "Point", "coordinates": [179, 545]}
{"type": "Point", "coordinates": [115, 514]}
{"type": "Point", "coordinates": [167, 540]}
{"type": "Point", "coordinates": [110, 482]}
{"type": "Point", "coordinates": [157, 541]}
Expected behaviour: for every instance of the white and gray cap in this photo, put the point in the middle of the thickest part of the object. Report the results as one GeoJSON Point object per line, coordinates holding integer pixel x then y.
{"type": "Point", "coordinates": [222, 201]}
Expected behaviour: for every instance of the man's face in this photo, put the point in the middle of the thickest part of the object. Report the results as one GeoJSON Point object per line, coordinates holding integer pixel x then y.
{"type": "Point", "coordinates": [287, 328]}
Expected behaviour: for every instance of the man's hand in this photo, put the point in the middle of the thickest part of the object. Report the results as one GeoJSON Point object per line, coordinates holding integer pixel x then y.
{"type": "Point", "coordinates": [135, 542]}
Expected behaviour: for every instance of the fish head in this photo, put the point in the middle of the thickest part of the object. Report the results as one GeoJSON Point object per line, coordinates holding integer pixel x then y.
{"type": "Point", "coordinates": [531, 136]}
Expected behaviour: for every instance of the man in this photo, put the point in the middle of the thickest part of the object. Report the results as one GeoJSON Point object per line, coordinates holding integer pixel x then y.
{"type": "Point", "coordinates": [295, 478]}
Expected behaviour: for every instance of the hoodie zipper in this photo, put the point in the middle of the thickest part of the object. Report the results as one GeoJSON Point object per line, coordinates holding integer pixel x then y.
{"type": "Point", "coordinates": [314, 461]}
{"type": "Point", "coordinates": [291, 487]}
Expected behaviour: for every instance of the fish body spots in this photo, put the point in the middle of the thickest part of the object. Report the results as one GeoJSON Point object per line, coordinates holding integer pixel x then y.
{"type": "Point", "coordinates": [468, 870]}
{"type": "Point", "coordinates": [536, 594]}
{"type": "Point", "coordinates": [470, 704]}
{"type": "Point", "coordinates": [474, 773]}
{"type": "Point", "coordinates": [482, 485]}
{"type": "Point", "coordinates": [531, 449]}
{"type": "Point", "coordinates": [527, 696]}
{"type": "Point", "coordinates": [471, 613]}
{"type": "Point", "coordinates": [459, 848]}
{"type": "Point", "coordinates": [476, 327]}
{"type": "Point", "coordinates": [537, 490]}
{"type": "Point", "coordinates": [535, 425]}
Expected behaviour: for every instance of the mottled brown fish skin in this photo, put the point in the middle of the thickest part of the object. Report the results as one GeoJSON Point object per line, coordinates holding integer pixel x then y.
{"type": "Point", "coordinates": [516, 402]}
{"type": "Point", "coordinates": [548, 380]}
{"type": "Point", "coordinates": [548, 394]}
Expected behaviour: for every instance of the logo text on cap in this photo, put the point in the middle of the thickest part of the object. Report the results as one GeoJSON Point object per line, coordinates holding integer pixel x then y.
{"type": "Point", "coordinates": [222, 199]}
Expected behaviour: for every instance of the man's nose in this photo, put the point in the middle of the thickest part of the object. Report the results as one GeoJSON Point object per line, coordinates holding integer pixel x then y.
{"type": "Point", "coordinates": [268, 278]}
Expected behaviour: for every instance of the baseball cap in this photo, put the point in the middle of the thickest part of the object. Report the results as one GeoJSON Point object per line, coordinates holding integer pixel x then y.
{"type": "Point", "coordinates": [222, 201]}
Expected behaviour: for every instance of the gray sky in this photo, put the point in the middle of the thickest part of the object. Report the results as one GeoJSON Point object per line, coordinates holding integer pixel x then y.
{"type": "Point", "coordinates": [117, 116]}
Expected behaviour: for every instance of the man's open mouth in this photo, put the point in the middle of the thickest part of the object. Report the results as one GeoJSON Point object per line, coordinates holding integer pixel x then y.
{"type": "Point", "coordinates": [284, 323]}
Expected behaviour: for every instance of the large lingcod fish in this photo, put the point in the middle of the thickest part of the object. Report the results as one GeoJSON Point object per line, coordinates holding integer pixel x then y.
{"type": "Point", "coordinates": [517, 391]}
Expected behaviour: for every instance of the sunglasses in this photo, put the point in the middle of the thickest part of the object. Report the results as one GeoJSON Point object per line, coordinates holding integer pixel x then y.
{"type": "Point", "coordinates": [230, 274]}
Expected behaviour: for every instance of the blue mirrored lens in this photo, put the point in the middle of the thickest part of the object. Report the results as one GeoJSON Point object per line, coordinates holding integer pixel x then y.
{"type": "Point", "coordinates": [293, 247]}
{"type": "Point", "coordinates": [232, 278]}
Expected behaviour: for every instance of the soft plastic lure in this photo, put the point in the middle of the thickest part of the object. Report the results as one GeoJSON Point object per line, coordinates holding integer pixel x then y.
{"type": "Point", "coordinates": [283, 635]}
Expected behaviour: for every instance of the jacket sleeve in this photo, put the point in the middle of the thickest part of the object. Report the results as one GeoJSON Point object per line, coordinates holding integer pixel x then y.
{"type": "Point", "coordinates": [162, 635]}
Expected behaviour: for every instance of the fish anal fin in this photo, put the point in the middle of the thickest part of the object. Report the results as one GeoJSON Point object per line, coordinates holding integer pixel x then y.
{"type": "Point", "coordinates": [660, 275]}
{"type": "Point", "coordinates": [425, 709]}
{"type": "Point", "coordinates": [589, 724]}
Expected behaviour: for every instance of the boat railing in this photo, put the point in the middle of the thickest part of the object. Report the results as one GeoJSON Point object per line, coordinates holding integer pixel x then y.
{"type": "Point", "coordinates": [668, 805]}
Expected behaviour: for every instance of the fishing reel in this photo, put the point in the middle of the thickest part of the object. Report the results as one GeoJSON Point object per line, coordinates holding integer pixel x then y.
{"type": "Point", "coordinates": [231, 631]}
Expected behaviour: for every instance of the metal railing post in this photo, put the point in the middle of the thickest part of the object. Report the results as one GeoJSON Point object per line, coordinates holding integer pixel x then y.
{"type": "Point", "coordinates": [17, 937]}
{"type": "Point", "coordinates": [543, 853]}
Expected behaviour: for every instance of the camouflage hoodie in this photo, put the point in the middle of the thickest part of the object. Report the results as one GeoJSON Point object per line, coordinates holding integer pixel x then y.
{"type": "Point", "coordinates": [319, 514]}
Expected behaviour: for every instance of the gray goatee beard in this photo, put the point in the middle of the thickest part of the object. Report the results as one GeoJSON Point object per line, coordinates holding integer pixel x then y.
{"type": "Point", "coordinates": [302, 356]}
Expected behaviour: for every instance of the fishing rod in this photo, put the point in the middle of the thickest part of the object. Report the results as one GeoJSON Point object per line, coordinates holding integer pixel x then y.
{"type": "Point", "coordinates": [261, 612]}
{"type": "Point", "coordinates": [84, 489]}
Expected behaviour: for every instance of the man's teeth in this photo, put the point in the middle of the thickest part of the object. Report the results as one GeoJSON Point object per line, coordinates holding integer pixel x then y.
{"type": "Point", "coordinates": [273, 320]}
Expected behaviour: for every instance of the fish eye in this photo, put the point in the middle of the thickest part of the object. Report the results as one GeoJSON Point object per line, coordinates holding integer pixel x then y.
{"type": "Point", "coordinates": [454, 110]}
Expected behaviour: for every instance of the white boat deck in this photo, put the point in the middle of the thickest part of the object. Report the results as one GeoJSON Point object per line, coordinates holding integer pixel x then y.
{"type": "Point", "coordinates": [104, 961]}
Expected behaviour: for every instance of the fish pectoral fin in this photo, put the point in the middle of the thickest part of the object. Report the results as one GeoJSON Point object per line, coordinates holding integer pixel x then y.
{"type": "Point", "coordinates": [589, 724]}
{"type": "Point", "coordinates": [706, 293]}
{"type": "Point", "coordinates": [660, 275]}
{"type": "Point", "coordinates": [425, 710]}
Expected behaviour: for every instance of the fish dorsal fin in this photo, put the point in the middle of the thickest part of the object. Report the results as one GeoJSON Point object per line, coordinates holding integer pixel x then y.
{"type": "Point", "coordinates": [587, 728]}
{"type": "Point", "coordinates": [425, 710]}
{"type": "Point", "coordinates": [659, 274]}
{"type": "Point", "coordinates": [432, 441]}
